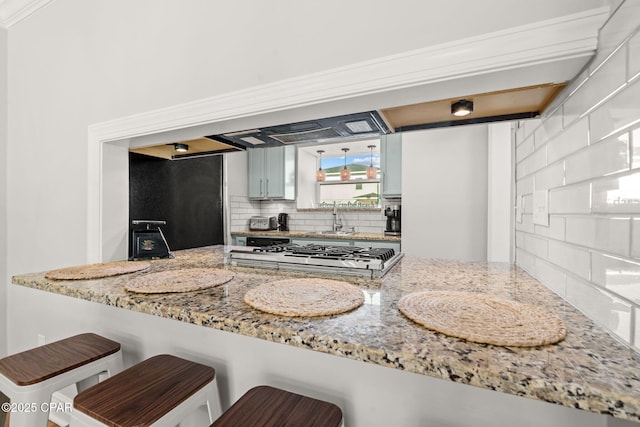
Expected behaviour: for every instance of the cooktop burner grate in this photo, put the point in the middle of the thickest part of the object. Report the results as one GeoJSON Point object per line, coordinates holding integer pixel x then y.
{"type": "Point", "coordinates": [329, 251]}
{"type": "Point", "coordinates": [351, 260]}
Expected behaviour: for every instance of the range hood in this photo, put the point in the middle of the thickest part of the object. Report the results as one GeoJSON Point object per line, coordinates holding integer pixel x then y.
{"type": "Point", "coordinates": [357, 125]}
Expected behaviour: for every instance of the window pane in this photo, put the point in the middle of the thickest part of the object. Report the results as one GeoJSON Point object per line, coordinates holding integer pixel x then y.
{"type": "Point", "coordinates": [350, 194]}
{"type": "Point", "coordinates": [357, 164]}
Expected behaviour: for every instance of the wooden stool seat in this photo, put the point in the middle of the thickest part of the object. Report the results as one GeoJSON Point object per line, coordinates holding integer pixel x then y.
{"type": "Point", "coordinates": [143, 394]}
{"type": "Point", "coordinates": [265, 406]}
{"type": "Point", "coordinates": [31, 377]}
{"type": "Point", "coordinates": [47, 361]}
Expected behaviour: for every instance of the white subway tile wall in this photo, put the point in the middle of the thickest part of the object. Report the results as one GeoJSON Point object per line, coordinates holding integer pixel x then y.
{"type": "Point", "coordinates": [363, 222]}
{"type": "Point", "coordinates": [586, 153]}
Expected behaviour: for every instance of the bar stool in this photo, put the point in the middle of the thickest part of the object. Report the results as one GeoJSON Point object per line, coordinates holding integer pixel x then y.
{"type": "Point", "coordinates": [29, 378]}
{"type": "Point", "coordinates": [265, 406]}
{"type": "Point", "coordinates": [160, 391]}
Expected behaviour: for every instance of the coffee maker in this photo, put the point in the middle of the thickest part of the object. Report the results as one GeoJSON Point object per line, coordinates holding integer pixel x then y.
{"type": "Point", "coordinates": [392, 212]}
{"type": "Point", "coordinates": [283, 222]}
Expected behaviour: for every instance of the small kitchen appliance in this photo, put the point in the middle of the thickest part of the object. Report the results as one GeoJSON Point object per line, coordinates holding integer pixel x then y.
{"type": "Point", "coordinates": [263, 223]}
{"type": "Point", "coordinates": [336, 260]}
{"type": "Point", "coordinates": [283, 222]}
{"type": "Point", "coordinates": [392, 212]}
{"type": "Point", "coordinates": [148, 242]}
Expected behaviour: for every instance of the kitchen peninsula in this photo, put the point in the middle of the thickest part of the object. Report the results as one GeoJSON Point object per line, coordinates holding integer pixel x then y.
{"type": "Point", "coordinates": [588, 370]}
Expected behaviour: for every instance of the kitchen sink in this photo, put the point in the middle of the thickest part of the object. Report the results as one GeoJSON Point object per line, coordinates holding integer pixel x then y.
{"type": "Point", "coordinates": [333, 233]}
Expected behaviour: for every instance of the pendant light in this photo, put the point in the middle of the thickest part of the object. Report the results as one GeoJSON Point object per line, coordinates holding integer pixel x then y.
{"type": "Point", "coordinates": [372, 172]}
{"type": "Point", "coordinates": [345, 174]}
{"type": "Point", "coordinates": [320, 175]}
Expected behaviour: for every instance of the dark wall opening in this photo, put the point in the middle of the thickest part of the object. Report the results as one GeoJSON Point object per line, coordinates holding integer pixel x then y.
{"type": "Point", "coordinates": [186, 193]}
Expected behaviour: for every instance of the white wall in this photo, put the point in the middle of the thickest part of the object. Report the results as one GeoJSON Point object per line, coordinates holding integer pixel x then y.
{"type": "Point", "coordinates": [500, 197]}
{"type": "Point", "coordinates": [586, 154]}
{"type": "Point", "coordinates": [4, 278]}
{"type": "Point", "coordinates": [444, 192]}
{"type": "Point", "coordinates": [237, 206]}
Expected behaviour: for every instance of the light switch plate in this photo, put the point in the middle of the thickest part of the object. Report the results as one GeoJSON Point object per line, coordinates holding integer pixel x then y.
{"type": "Point", "coordinates": [541, 207]}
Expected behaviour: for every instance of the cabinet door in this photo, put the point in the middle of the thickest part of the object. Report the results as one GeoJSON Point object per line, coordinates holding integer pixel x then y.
{"type": "Point", "coordinates": [391, 165]}
{"type": "Point", "coordinates": [257, 184]}
{"type": "Point", "coordinates": [274, 171]}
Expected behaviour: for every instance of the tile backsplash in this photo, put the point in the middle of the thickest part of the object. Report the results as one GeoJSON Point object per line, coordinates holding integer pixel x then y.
{"type": "Point", "coordinates": [585, 152]}
{"type": "Point", "coordinates": [313, 220]}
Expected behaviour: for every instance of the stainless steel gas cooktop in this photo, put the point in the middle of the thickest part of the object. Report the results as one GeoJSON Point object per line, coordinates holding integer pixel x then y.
{"type": "Point", "coordinates": [347, 260]}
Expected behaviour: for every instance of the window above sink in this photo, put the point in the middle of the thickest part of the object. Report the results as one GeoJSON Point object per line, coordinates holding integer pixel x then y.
{"type": "Point", "coordinates": [358, 192]}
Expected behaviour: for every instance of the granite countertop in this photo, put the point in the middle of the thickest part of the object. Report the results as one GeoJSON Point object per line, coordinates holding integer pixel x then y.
{"type": "Point", "coordinates": [589, 370]}
{"type": "Point", "coordinates": [312, 235]}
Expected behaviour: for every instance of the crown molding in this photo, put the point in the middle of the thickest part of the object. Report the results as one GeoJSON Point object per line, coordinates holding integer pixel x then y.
{"type": "Point", "coordinates": [14, 11]}
{"type": "Point", "coordinates": [555, 40]}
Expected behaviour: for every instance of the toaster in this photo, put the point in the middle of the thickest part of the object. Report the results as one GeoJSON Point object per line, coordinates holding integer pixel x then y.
{"type": "Point", "coordinates": [263, 223]}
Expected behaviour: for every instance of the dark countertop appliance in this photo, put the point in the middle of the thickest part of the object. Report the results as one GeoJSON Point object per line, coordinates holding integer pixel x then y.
{"type": "Point", "coordinates": [148, 242]}
{"type": "Point", "coordinates": [393, 228]}
{"type": "Point", "coordinates": [283, 222]}
{"type": "Point", "coordinates": [342, 260]}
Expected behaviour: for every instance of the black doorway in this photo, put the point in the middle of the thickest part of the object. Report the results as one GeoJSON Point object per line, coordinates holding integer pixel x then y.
{"type": "Point", "coordinates": [186, 193]}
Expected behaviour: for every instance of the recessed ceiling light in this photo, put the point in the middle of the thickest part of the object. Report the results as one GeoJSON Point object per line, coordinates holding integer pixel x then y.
{"type": "Point", "coordinates": [462, 108]}
{"type": "Point", "coordinates": [181, 148]}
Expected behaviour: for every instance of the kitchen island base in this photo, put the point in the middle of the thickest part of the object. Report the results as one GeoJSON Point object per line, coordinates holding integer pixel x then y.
{"type": "Point", "coordinates": [369, 395]}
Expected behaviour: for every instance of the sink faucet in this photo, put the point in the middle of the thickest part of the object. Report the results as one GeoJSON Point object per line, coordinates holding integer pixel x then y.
{"type": "Point", "coordinates": [337, 226]}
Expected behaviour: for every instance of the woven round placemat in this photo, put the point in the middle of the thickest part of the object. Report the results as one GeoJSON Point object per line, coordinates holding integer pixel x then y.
{"type": "Point", "coordinates": [305, 297]}
{"type": "Point", "coordinates": [183, 280]}
{"type": "Point", "coordinates": [483, 318]}
{"type": "Point", "coordinates": [97, 271]}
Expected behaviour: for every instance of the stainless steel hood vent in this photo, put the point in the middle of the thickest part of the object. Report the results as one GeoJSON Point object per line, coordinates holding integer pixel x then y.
{"type": "Point", "coordinates": [308, 135]}
{"type": "Point", "coordinates": [358, 125]}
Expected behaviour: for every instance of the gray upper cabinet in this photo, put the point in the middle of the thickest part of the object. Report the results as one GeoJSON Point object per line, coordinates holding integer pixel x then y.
{"type": "Point", "coordinates": [391, 165]}
{"type": "Point", "coordinates": [272, 173]}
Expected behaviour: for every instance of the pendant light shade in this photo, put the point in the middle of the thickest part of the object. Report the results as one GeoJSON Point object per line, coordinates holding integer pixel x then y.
{"type": "Point", "coordinates": [320, 175]}
{"type": "Point", "coordinates": [345, 174]}
{"type": "Point", "coordinates": [372, 172]}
